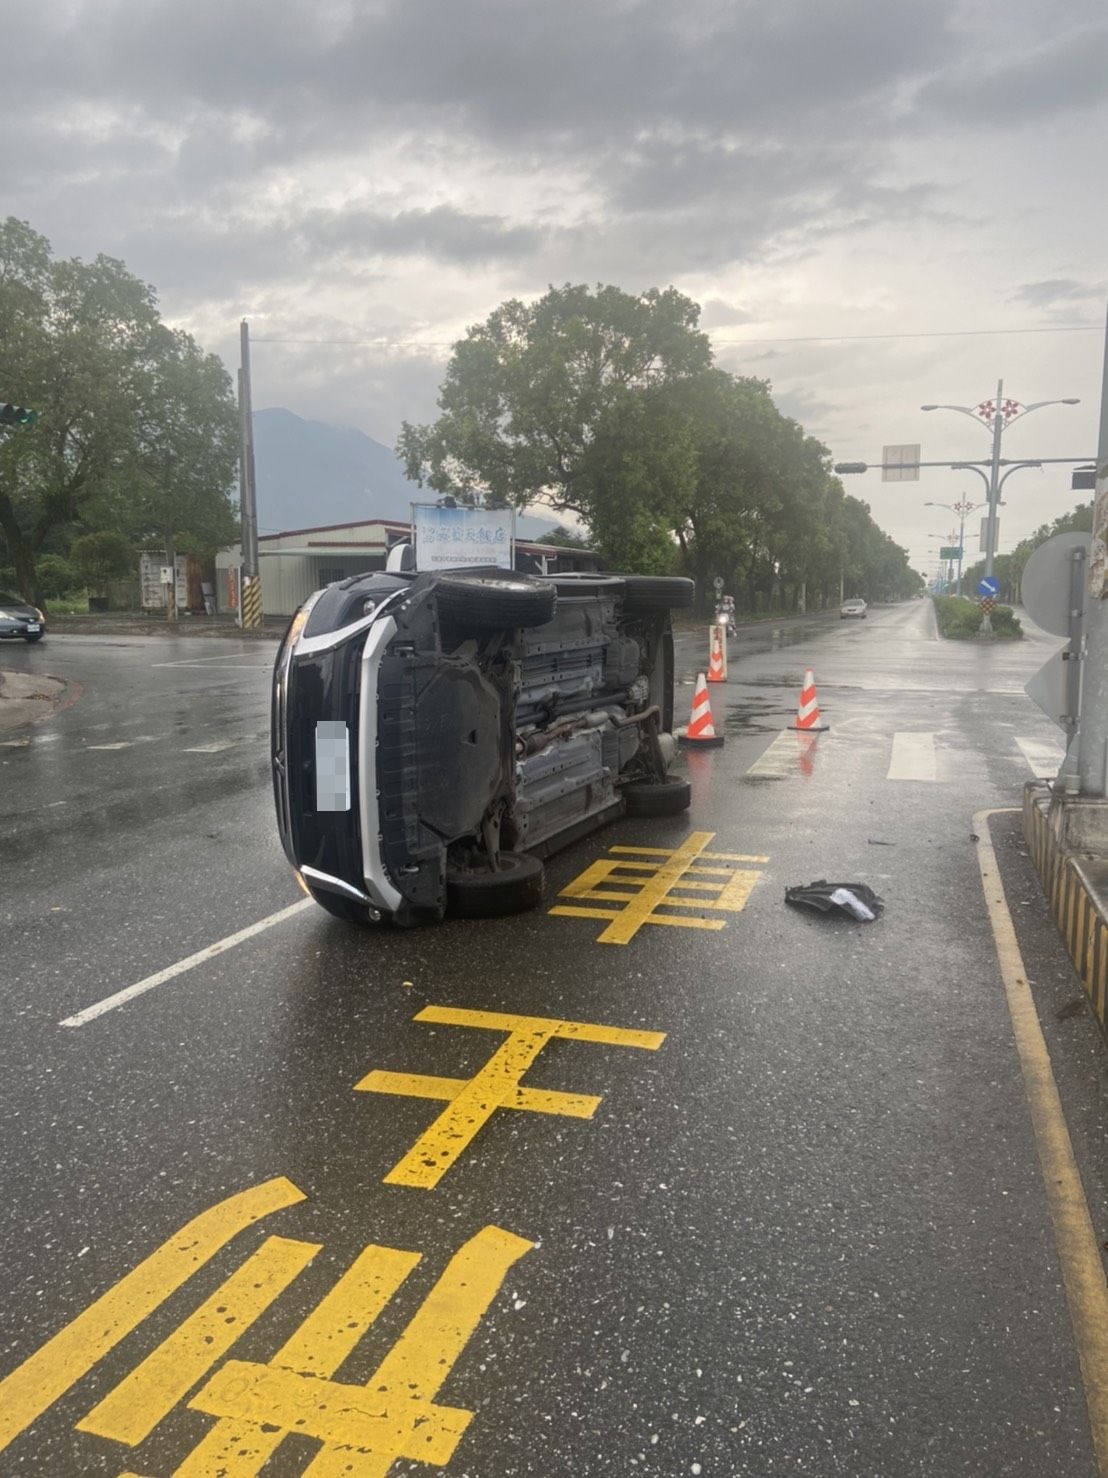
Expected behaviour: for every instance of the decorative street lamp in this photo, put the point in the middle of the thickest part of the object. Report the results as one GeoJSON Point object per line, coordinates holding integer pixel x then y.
{"type": "Point", "coordinates": [997, 415]}
{"type": "Point", "coordinates": [963, 508]}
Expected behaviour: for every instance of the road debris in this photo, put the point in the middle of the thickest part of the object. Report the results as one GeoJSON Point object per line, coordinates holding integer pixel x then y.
{"type": "Point", "coordinates": [855, 900]}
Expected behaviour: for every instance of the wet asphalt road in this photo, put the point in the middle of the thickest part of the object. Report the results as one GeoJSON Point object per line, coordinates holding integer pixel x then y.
{"type": "Point", "coordinates": [804, 1234]}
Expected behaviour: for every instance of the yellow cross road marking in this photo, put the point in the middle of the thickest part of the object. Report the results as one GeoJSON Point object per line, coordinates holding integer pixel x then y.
{"type": "Point", "coordinates": [63, 1360]}
{"type": "Point", "coordinates": [239, 1449]}
{"type": "Point", "coordinates": [131, 1411]}
{"type": "Point", "coordinates": [644, 888]}
{"type": "Point", "coordinates": [394, 1415]}
{"type": "Point", "coordinates": [472, 1102]}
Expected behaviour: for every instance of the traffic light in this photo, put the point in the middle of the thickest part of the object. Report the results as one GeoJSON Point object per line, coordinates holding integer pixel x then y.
{"type": "Point", "coordinates": [851, 466]}
{"type": "Point", "coordinates": [17, 415]}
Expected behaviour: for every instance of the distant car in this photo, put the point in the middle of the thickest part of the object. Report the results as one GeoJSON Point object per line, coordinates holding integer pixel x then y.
{"type": "Point", "coordinates": [436, 735]}
{"type": "Point", "coordinates": [18, 618]}
{"type": "Point", "coordinates": [852, 608]}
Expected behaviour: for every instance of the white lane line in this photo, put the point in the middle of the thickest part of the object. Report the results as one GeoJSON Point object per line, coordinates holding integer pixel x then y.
{"type": "Point", "coordinates": [1044, 757]}
{"type": "Point", "coordinates": [121, 997]}
{"type": "Point", "coordinates": [778, 760]}
{"type": "Point", "coordinates": [123, 744]}
{"type": "Point", "coordinates": [913, 757]}
{"type": "Point", "coordinates": [211, 748]}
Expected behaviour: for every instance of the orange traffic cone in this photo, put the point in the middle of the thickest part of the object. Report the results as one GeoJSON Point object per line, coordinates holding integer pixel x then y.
{"type": "Point", "coordinates": [807, 713]}
{"type": "Point", "coordinates": [717, 657]}
{"type": "Point", "coordinates": [701, 730]}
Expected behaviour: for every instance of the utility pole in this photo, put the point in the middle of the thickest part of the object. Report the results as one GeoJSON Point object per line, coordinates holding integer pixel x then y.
{"type": "Point", "coordinates": [1092, 758]}
{"type": "Point", "coordinates": [250, 593]}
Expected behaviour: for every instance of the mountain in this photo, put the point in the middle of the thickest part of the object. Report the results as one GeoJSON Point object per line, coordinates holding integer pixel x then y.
{"type": "Point", "coordinates": [309, 474]}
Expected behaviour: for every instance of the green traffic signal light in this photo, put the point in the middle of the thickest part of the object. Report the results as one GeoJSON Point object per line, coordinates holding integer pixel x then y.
{"type": "Point", "coordinates": [17, 415]}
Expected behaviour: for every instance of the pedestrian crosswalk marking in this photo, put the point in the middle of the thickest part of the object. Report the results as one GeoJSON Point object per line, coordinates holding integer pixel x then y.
{"type": "Point", "coordinates": [1044, 757]}
{"type": "Point", "coordinates": [913, 757]}
{"type": "Point", "coordinates": [779, 758]}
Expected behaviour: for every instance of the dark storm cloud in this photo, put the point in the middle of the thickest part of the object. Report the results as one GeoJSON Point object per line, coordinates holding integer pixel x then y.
{"type": "Point", "coordinates": [1058, 292]}
{"type": "Point", "coordinates": [1057, 77]}
{"type": "Point", "coordinates": [700, 131]}
{"type": "Point", "coordinates": [552, 75]}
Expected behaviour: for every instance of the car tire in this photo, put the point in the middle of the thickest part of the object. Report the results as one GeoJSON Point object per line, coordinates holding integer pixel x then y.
{"type": "Point", "coordinates": [32, 636]}
{"type": "Point", "coordinates": [479, 893]}
{"type": "Point", "coordinates": [348, 909]}
{"type": "Point", "coordinates": [667, 797]}
{"type": "Point", "coordinates": [649, 593]}
{"type": "Point", "coordinates": [491, 601]}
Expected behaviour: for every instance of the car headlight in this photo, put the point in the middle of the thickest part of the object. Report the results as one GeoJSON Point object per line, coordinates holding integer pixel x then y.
{"type": "Point", "coordinates": [39, 614]}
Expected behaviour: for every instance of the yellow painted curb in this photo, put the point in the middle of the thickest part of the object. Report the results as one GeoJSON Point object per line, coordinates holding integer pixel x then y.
{"type": "Point", "coordinates": [1074, 1237]}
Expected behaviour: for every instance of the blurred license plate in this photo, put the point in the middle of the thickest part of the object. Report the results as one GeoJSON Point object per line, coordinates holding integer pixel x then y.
{"type": "Point", "coordinates": [332, 766]}
{"type": "Point", "coordinates": [33, 626]}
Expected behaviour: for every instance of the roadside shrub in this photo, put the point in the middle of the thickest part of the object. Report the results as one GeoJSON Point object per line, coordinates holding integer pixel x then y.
{"type": "Point", "coordinates": [959, 619]}
{"type": "Point", "coordinates": [56, 577]}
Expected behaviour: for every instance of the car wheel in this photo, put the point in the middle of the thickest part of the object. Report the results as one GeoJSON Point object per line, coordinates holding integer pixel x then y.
{"type": "Point", "coordinates": [32, 636]}
{"type": "Point", "coordinates": [657, 593]}
{"type": "Point", "coordinates": [480, 893]}
{"type": "Point", "coordinates": [667, 797]}
{"type": "Point", "coordinates": [340, 908]}
{"type": "Point", "coordinates": [490, 602]}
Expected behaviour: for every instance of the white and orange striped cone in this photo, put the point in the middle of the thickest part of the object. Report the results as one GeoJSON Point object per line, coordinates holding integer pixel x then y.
{"type": "Point", "coordinates": [717, 656]}
{"type": "Point", "coordinates": [808, 719]}
{"type": "Point", "coordinates": [701, 730]}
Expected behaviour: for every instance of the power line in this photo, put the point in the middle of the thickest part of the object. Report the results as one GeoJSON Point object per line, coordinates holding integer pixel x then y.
{"type": "Point", "coordinates": [955, 333]}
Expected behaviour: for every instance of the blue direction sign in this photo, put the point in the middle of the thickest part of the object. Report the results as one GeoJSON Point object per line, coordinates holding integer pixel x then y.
{"type": "Point", "coordinates": [988, 585]}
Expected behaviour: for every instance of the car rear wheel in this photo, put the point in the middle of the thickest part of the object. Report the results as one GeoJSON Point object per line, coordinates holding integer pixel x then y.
{"type": "Point", "coordinates": [665, 798]}
{"type": "Point", "coordinates": [657, 593]}
{"type": "Point", "coordinates": [490, 602]}
{"type": "Point", "coordinates": [480, 893]}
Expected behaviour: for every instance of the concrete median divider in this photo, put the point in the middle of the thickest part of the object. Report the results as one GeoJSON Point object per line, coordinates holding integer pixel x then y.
{"type": "Point", "coordinates": [1076, 888]}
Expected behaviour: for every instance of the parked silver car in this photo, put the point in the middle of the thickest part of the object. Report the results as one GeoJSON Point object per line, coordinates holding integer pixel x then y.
{"type": "Point", "coordinates": [18, 618]}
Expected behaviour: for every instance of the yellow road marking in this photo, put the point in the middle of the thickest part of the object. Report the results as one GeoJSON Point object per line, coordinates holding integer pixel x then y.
{"type": "Point", "coordinates": [394, 1415]}
{"type": "Point", "coordinates": [535, 1100]}
{"type": "Point", "coordinates": [471, 1102]}
{"type": "Point", "coordinates": [1075, 1239]}
{"type": "Point", "coordinates": [131, 1411]}
{"type": "Point", "coordinates": [649, 891]}
{"type": "Point", "coordinates": [63, 1360]}
{"type": "Point", "coordinates": [240, 1449]}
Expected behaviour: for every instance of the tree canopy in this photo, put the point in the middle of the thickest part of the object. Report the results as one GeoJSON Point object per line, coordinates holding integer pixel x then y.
{"type": "Point", "coordinates": [1008, 568]}
{"type": "Point", "coordinates": [608, 406]}
{"type": "Point", "coordinates": [137, 426]}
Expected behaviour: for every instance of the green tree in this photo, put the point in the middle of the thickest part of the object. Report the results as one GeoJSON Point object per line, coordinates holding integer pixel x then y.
{"type": "Point", "coordinates": [102, 557]}
{"type": "Point", "coordinates": [133, 418]}
{"type": "Point", "coordinates": [545, 400]}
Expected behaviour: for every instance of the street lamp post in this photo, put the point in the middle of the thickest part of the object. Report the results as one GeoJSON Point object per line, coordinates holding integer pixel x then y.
{"type": "Point", "coordinates": [963, 508]}
{"type": "Point", "coordinates": [997, 414]}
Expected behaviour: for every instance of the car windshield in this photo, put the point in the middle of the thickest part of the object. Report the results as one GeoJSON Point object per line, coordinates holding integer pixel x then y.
{"type": "Point", "coordinates": [7, 599]}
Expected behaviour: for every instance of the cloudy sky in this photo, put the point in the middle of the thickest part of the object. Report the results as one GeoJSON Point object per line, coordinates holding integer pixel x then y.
{"type": "Point", "coordinates": [840, 184]}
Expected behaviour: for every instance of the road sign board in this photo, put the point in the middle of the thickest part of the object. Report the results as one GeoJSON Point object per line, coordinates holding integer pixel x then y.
{"type": "Point", "coordinates": [1045, 587]}
{"type": "Point", "coordinates": [900, 463]}
{"type": "Point", "coordinates": [988, 585]}
{"type": "Point", "coordinates": [1048, 688]}
{"type": "Point", "coordinates": [950, 551]}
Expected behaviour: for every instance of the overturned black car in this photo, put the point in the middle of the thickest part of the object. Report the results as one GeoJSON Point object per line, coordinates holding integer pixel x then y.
{"type": "Point", "coordinates": [436, 735]}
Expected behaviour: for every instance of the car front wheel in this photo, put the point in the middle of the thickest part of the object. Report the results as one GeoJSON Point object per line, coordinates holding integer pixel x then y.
{"type": "Point", "coordinates": [481, 893]}
{"type": "Point", "coordinates": [665, 798]}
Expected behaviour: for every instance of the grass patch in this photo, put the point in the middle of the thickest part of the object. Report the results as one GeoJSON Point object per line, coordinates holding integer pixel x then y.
{"type": "Point", "coordinates": [960, 619]}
